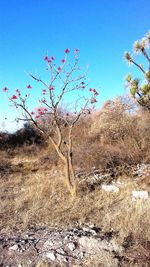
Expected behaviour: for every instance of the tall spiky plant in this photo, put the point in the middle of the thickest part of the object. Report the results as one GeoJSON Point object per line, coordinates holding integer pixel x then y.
{"type": "Point", "coordinates": [140, 90]}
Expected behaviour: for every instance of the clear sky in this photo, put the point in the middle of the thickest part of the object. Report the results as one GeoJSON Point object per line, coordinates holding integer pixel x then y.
{"type": "Point", "coordinates": [101, 29]}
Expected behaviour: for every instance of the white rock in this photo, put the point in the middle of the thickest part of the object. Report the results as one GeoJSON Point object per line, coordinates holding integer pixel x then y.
{"type": "Point", "coordinates": [139, 195]}
{"type": "Point", "coordinates": [71, 246]}
{"type": "Point", "coordinates": [50, 255]}
{"type": "Point", "coordinates": [14, 247]}
{"type": "Point", "coordinates": [110, 188]}
{"type": "Point", "coordinates": [92, 246]}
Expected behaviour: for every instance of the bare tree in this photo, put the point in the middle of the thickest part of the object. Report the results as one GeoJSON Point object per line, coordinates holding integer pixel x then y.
{"type": "Point", "coordinates": [54, 121]}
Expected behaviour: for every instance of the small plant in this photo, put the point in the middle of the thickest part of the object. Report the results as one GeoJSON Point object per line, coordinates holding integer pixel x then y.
{"type": "Point", "coordinates": [140, 91]}
{"type": "Point", "coordinates": [53, 121]}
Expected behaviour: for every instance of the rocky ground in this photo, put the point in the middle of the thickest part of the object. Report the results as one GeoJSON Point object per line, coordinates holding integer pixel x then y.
{"type": "Point", "coordinates": [66, 246]}
{"type": "Point", "coordinates": [80, 243]}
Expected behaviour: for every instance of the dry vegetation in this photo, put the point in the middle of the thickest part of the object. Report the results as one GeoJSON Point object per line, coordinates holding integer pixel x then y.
{"type": "Point", "coordinates": [33, 193]}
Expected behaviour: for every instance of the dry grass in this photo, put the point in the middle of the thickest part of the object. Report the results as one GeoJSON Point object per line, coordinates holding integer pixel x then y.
{"type": "Point", "coordinates": [40, 198]}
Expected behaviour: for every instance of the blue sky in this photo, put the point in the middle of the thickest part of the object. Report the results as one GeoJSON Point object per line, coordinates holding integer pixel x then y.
{"type": "Point", "coordinates": [101, 29]}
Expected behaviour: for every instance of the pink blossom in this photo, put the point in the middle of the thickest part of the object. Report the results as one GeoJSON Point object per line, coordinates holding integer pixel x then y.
{"type": "Point", "coordinates": [41, 113]}
{"type": "Point", "coordinates": [49, 61]}
{"type": "Point", "coordinates": [46, 58]}
{"type": "Point", "coordinates": [51, 87]}
{"type": "Point", "coordinates": [63, 60]}
{"type": "Point", "coordinates": [5, 89]}
{"type": "Point", "coordinates": [93, 100]}
{"type": "Point", "coordinates": [91, 90]}
{"type": "Point", "coordinates": [14, 97]}
{"type": "Point", "coordinates": [45, 109]}
{"type": "Point", "coordinates": [32, 113]}
{"type": "Point", "coordinates": [59, 68]}
{"type": "Point", "coordinates": [52, 58]}
{"type": "Point", "coordinates": [95, 92]}
{"type": "Point", "coordinates": [17, 91]}
{"type": "Point", "coordinates": [44, 92]}
{"type": "Point", "coordinates": [67, 50]}
{"type": "Point", "coordinates": [37, 116]}
{"type": "Point", "coordinates": [29, 86]}
{"type": "Point", "coordinates": [83, 83]}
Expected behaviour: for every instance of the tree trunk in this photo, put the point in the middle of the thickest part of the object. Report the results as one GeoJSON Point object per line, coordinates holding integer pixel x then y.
{"type": "Point", "coordinates": [69, 171]}
{"type": "Point", "coordinates": [70, 177]}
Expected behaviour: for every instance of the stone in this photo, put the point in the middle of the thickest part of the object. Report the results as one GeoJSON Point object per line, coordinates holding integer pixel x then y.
{"type": "Point", "coordinates": [71, 246]}
{"type": "Point", "coordinates": [14, 247]}
{"type": "Point", "coordinates": [110, 188]}
{"type": "Point", "coordinates": [50, 255]}
{"type": "Point", "coordinates": [139, 195]}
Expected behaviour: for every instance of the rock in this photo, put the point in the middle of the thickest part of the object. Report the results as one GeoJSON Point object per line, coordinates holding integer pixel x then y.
{"type": "Point", "coordinates": [139, 195]}
{"type": "Point", "coordinates": [50, 255]}
{"type": "Point", "coordinates": [14, 247]}
{"type": "Point", "coordinates": [49, 243]}
{"type": "Point", "coordinates": [92, 245]}
{"type": "Point", "coordinates": [110, 188]}
{"type": "Point", "coordinates": [71, 246]}
{"type": "Point", "coordinates": [88, 244]}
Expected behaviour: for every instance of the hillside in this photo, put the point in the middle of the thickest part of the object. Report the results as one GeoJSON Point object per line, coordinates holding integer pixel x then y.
{"type": "Point", "coordinates": [111, 160]}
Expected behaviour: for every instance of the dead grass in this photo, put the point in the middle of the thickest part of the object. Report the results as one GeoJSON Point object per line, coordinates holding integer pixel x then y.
{"type": "Point", "coordinates": [40, 198]}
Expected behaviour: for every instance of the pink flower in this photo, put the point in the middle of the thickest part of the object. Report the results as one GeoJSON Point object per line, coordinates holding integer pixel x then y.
{"type": "Point", "coordinates": [14, 97]}
{"type": "Point", "coordinates": [91, 90]}
{"type": "Point", "coordinates": [51, 87]}
{"type": "Point", "coordinates": [17, 91]}
{"type": "Point", "coordinates": [41, 113]}
{"type": "Point", "coordinates": [63, 60]}
{"type": "Point", "coordinates": [29, 86]}
{"type": "Point", "coordinates": [59, 68]}
{"type": "Point", "coordinates": [49, 61]}
{"type": "Point", "coordinates": [37, 116]}
{"type": "Point", "coordinates": [46, 58]}
{"type": "Point", "coordinates": [45, 109]}
{"type": "Point", "coordinates": [67, 50]}
{"type": "Point", "coordinates": [32, 113]}
{"type": "Point", "coordinates": [93, 100]}
{"type": "Point", "coordinates": [95, 92]}
{"type": "Point", "coordinates": [52, 58]}
{"type": "Point", "coordinates": [44, 100]}
{"type": "Point", "coordinates": [82, 83]}
{"type": "Point", "coordinates": [5, 89]}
